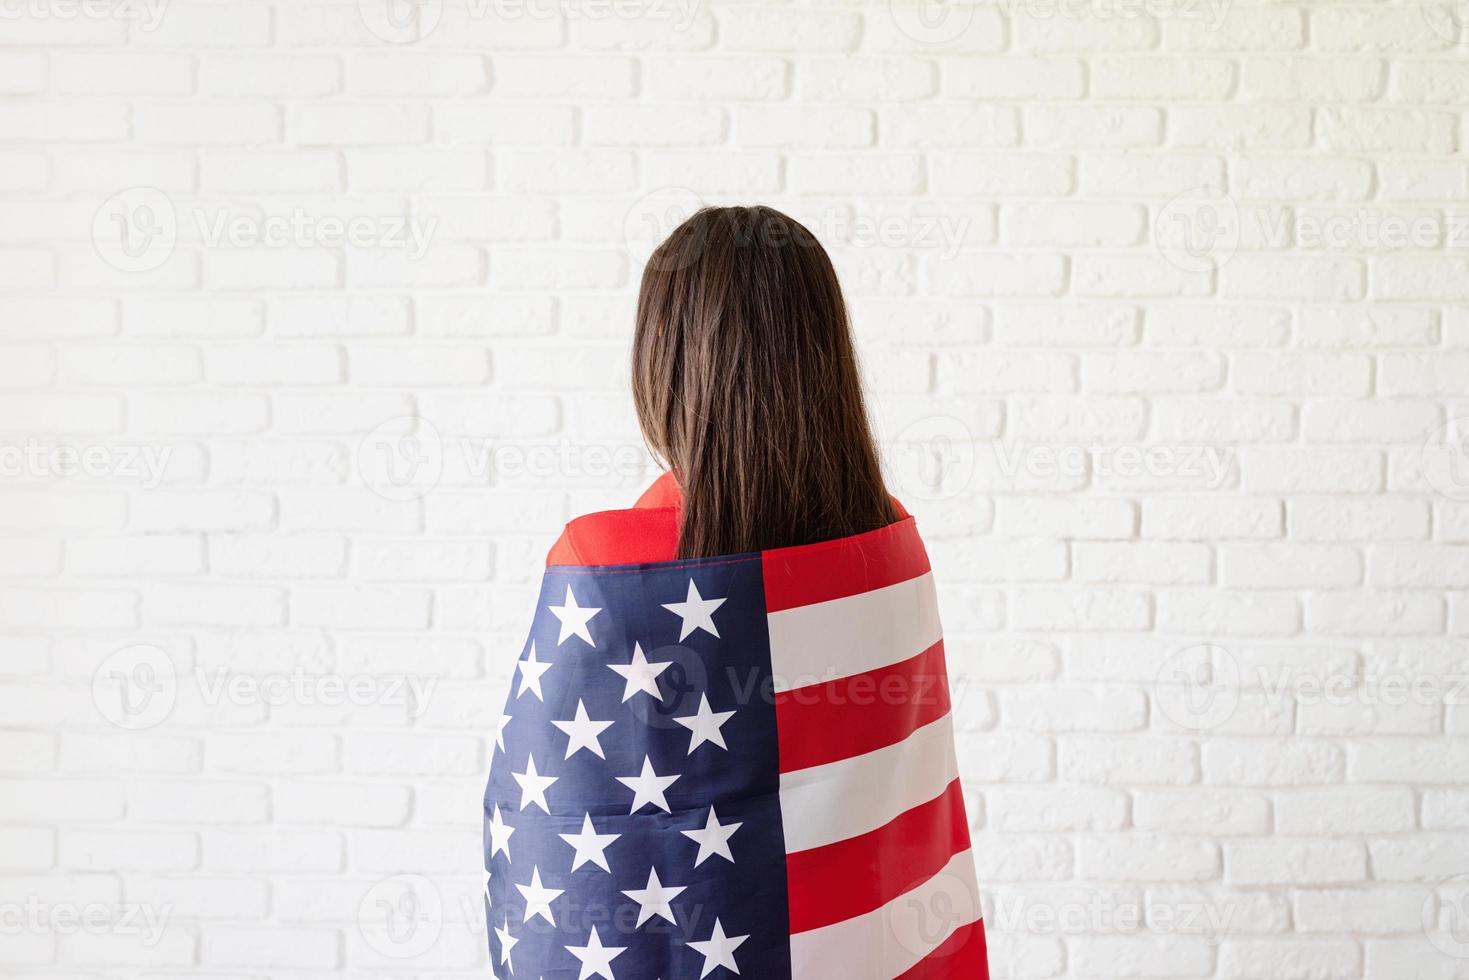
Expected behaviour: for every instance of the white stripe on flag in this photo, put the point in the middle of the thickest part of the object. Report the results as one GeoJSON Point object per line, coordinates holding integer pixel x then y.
{"type": "Point", "coordinates": [889, 941]}
{"type": "Point", "coordinates": [827, 640]}
{"type": "Point", "coordinates": [825, 804]}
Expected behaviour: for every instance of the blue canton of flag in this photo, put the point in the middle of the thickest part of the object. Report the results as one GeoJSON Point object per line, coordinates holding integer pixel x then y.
{"type": "Point", "coordinates": [633, 825]}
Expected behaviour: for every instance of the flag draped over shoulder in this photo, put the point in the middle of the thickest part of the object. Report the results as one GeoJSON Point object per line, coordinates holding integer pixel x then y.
{"type": "Point", "coordinates": [733, 766]}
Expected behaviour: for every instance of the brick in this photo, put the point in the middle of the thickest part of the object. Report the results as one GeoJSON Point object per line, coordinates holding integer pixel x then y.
{"type": "Point", "coordinates": [1312, 79]}
{"type": "Point", "coordinates": [864, 80]}
{"type": "Point", "coordinates": [1294, 862]}
{"type": "Point", "coordinates": [547, 76]}
{"type": "Point", "coordinates": [1171, 79]}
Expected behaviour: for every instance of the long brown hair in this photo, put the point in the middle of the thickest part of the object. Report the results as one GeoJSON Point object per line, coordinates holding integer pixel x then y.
{"type": "Point", "coordinates": [746, 383]}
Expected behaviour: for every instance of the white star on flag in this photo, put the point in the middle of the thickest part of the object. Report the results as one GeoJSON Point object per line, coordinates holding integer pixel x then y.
{"type": "Point", "coordinates": [582, 732]}
{"type": "Point", "coordinates": [507, 943]}
{"type": "Point", "coordinates": [590, 845]}
{"type": "Point", "coordinates": [500, 832]}
{"type": "Point", "coordinates": [538, 898]}
{"type": "Point", "coordinates": [718, 950]}
{"type": "Point", "coordinates": [647, 787]}
{"type": "Point", "coordinates": [500, 732]}
{"type": "Point", "coordinates": [574, 619]}
{"type": "Point", "coordinates": [640, 675]}
{"type": "Point", "coordinates": [531, 670]}
{"type": "Point", "coordinates": [705, 725]}
{"type": "Point", "coordinates": [696, 612]}
{"type": "Point", "coordinates": [713, 839]}
{"type": "Point", "coordinates": [655, 899]}
{"type": "Point", "coordinates": [596, 959]}
{"type": "Point", "coordinates": [533, 786]}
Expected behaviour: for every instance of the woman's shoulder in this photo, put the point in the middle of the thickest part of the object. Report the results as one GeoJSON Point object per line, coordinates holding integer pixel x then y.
{"type": "Point", "coordinates": [645, 532]}
{"type": "Point", "coordinates": [632, 536]}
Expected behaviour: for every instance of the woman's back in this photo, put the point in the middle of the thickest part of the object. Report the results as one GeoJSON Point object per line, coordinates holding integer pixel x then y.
{"type": "Point", "coordinates": [728, 744]}
{"type": "Point", "coordinates": [741, 762]}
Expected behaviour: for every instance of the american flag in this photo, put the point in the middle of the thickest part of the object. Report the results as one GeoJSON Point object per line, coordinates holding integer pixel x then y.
{"type": "Point", "coordinates": [734, 766]}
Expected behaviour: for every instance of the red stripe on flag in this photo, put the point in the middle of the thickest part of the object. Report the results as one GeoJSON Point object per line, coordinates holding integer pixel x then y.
{"type": "Point", "coordinates": [854, 715]}
{"type": "Point", "coordinates": [810, 573]}
{"type": "Point", "coordinates": [961, 957]}
{"type": "Point", "coordinates": [830, 884]}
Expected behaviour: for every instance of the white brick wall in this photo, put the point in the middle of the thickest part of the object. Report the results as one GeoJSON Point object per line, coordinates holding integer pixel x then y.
{"type": "Point", "coordinates": [1162, 306]}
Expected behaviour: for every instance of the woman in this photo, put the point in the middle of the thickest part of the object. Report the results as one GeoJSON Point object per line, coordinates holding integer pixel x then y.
{"type": "Point", "coordinates": [727, 749]}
